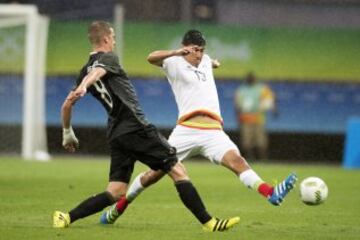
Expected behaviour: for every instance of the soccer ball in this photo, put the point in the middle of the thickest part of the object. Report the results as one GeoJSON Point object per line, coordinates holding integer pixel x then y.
{"type": "Point", "coordinates": [313, 191]}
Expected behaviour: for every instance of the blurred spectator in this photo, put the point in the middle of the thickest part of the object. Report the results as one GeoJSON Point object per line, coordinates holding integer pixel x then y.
{"type": "Point", "coordinates": [252, 101]}
{"type": "Point", "coordinates": [204, 10]}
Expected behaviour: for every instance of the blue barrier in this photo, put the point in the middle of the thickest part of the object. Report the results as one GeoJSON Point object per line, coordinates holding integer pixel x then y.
{"type": "Point", "coordinates": [352, 144]}
{"type": "Point", "coordinates": [303, 107]}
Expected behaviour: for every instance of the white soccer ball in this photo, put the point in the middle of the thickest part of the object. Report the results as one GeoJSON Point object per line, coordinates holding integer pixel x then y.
{"type": "Point", "coordinates": [313, 191]}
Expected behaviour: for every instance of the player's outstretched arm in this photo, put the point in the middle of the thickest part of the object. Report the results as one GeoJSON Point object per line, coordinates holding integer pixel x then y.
{"type": "Point", "coordinates": [79, 92]}
{"type": "Point", "coordinates": [157, 57]}
{"type": "Point", "coordinates": [70, 142]}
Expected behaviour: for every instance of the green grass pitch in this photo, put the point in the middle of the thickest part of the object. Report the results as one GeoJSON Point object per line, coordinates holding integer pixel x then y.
{"type": "Point", "coordinates": [31, 191]}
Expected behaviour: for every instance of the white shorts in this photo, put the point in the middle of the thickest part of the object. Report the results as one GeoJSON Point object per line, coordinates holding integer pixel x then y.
{"type": "Point", "coordinates": [212, 144]}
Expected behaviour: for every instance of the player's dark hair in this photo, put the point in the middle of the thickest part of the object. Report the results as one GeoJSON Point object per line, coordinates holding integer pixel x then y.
{"type": "Point", "coordinates": [97, 30]}
{"type": "Point", "coordinates": [193, 37]}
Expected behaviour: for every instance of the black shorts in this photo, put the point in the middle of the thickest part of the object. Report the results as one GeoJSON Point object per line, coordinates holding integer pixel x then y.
{"type": "Point", "coordinates": [147, 146]}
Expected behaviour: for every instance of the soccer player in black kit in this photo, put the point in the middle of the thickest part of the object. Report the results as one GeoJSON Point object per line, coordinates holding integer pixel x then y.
{"type": "Point", "coordinates": [131, 137]}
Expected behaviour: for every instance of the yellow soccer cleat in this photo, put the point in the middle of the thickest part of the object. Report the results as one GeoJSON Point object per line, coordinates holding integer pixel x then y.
{"type": "Point", "coordinates": [61, 220]}
{"type": "Point", "coordinates": [219, 225]}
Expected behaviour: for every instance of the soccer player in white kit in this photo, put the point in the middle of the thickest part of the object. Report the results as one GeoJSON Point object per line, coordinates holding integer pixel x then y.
{"type": "Point", "coordinates": [199, 127]}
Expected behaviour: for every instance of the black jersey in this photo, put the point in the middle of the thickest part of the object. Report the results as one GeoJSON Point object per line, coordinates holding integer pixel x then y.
{"type": "Point", "coordinates": [116, 93]}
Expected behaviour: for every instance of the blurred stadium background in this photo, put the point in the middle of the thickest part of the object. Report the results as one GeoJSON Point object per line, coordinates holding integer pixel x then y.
{"type": "Point", "coordinates": [307, 50]}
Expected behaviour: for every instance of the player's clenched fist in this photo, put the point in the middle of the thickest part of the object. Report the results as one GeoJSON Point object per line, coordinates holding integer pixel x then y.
{"type": "Point", "coordinates": [70, 142]}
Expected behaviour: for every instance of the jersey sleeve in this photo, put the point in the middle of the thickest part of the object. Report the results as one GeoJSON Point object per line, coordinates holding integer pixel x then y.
{"type": "Point", "coordinates": [109, 62]}
{"type": "Point", "coordinates": [169, 67]}
{"type": "Point", "coordinates": [79, 79]}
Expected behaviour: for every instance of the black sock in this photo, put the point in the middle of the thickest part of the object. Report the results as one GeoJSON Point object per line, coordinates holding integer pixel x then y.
{"type": "Point", "coordinates": [91, 205]}
{"type": "Point", "coordinates": [191, 199]}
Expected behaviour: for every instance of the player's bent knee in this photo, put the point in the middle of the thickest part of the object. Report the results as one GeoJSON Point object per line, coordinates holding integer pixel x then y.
{"type": "Point", "coordinates": [151, 177]}
{"type": "Point", "coordinates": [178, 172]}
{"type": "Point", "coordinates": [117, 189]}
{"type": "Point", "coordinates": [235, 162]}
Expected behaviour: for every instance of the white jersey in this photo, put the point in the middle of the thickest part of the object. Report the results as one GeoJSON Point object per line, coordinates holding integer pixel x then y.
{"type": "Point", "coordinates": [194, 87]}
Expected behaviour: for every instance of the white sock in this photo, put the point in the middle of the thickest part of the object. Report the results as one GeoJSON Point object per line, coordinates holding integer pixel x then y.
{"type": "Point", "coordinates": [250, 179]}
{"type": "Point", "coordinates": [135, 189]}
